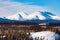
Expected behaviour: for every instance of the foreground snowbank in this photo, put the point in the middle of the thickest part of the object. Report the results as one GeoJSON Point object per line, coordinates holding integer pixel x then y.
{"type": "Point", "coordinates": [44, 35]}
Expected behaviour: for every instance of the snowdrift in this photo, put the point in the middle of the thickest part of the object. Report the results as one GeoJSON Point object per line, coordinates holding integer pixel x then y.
{"type": "Point", "coordinates": [44, 35]}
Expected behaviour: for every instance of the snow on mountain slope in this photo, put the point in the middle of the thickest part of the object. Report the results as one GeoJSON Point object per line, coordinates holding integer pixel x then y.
{"type": "Point", "coordinates": [15, 17]}
{"type": "Point", "coordinates": [36, 15]}
{"type": "Point", "coordinates": [18, 16]}
{"type": "Point", "coordinates": [22, 15]}
{"type": "Point", "coordinates": [55, 17]}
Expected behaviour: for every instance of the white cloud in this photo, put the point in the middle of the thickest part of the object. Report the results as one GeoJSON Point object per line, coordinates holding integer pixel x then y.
{"type": "Point", "coordinates": [4, 0]}
{"type": "Point", "coordinates": [9, 8]}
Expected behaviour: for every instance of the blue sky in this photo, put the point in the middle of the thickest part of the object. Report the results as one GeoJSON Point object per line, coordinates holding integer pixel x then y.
{"type": "Point", "coordinates": [53, 5]}
{"type": "Point", "coordinates": [8, 6]}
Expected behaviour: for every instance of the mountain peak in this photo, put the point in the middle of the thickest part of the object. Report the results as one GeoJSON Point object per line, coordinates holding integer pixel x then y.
{"type": "Point", "coordinates": [33, 16]}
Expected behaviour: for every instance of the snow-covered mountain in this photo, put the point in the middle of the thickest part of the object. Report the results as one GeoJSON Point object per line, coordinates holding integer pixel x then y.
{"type": "Point", "coordinates": [24, 16]}
{"type": "Point", "coordinates": [18, 16]}
{"type": "Point", "coordinates": [35, 15]}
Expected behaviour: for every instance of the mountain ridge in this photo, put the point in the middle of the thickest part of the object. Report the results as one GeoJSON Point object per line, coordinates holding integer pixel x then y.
{"type": "Point", "coordinates": [33, 17]}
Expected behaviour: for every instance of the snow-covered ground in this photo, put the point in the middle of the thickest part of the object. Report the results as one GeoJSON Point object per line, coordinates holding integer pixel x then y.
{"type": "Point", "coordinates": [44, 35]}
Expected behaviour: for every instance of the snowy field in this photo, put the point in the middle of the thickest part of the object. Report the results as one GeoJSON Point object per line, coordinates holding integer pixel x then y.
{"type": "Point", "coordinates": [44, 35]}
